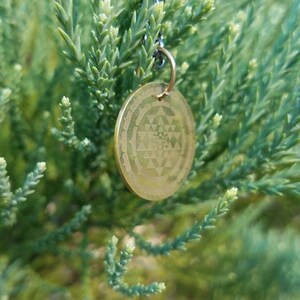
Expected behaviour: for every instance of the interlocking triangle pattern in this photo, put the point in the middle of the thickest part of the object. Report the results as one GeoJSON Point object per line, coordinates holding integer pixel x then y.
{"type": "Point", "coordinates": [159, 141]}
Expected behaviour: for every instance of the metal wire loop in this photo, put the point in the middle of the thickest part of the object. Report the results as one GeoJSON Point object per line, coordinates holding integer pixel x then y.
{"type": "Point", "coordinates": [171, 60]}
{"type": "Point", "coordinates": [158, 55]}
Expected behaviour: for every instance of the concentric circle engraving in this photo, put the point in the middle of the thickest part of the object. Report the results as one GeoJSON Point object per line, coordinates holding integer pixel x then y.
{"type": "Point", "coordinates": [154, 142]}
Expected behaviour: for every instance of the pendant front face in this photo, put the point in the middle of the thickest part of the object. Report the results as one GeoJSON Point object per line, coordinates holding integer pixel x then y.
{"type": "Point", "coordinates": [154, 142]}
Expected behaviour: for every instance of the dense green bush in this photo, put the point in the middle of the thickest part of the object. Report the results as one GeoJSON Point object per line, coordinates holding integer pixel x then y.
{"type": "Point", "coordinates": [62, 200]}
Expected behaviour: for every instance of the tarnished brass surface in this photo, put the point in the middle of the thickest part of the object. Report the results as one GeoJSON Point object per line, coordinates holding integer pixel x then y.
{"type": "Point", "coordinates": [154, 142]}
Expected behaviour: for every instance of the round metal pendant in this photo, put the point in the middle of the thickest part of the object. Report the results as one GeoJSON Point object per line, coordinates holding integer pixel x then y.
{"type": "Point", "coordinates": [154, 142]}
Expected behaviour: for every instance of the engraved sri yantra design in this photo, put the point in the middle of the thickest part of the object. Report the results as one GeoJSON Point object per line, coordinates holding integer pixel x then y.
{"type": "Point", "coordinates": [154, 142]}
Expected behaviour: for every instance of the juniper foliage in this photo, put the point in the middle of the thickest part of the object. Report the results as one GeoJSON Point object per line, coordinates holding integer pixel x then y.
{"type": "Point", "coordinates": [66, 67]}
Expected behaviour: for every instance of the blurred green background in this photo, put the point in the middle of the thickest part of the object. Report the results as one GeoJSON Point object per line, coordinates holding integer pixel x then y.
{"type": "Point", "coordinates": [253, 253]}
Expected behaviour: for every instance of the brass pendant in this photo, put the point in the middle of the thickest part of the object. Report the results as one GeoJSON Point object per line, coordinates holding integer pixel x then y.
{"type": "Point", "coordinates": [155, 141]}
